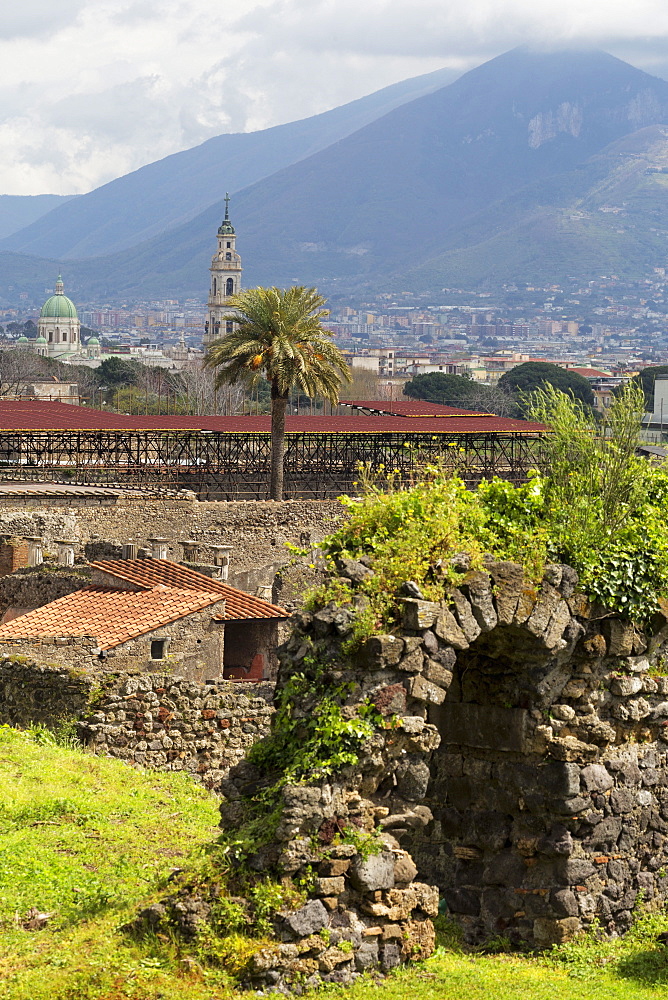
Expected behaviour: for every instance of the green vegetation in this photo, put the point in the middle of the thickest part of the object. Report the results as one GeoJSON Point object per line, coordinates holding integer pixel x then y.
{"type": "Point", "coordinates": [534, 375]}
{"type": "Point", "coordinates": [599, 508]}
{"type": "Point", "coordinates": [462, 391]}
{"type": "Point", "coordinates": [646, 379]}
{"type": "Point", "coordinates": [88, 840]}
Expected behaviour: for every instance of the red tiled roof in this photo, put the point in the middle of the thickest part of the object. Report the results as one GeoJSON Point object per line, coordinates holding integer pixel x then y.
{"type": "Point", "coordinates": [149, 573]}
{"type": "Point", "coordinates": [590, 372]}
{"type": "Point", "coordinates": [111, 616]}
{"type": "Point", "coordinates": [64, 416]}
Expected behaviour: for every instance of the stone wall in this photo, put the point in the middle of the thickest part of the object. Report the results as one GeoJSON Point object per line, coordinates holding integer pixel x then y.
{"type": "Point", "coordinates": [157, 721]}
{"type": "Point", "coordinates": [257, 531]}
{"type": "Point", "coordinates": [523, 771]}
{"type": "Point", "coordinates": [35, 587]}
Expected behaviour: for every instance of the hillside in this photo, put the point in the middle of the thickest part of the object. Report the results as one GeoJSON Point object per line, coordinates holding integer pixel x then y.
{"type": "Point", "coordinates": [609, 216]}
{"type": "Point", "coordinates": [88, 840]}
{"type": "Point", "coordinates": [163, 194]}
{"type": "Point", "coordinates": [18, 211]}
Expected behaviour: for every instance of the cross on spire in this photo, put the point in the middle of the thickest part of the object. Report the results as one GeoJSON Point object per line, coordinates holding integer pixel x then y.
{"type": "Point", "coordinates": [227, 207]}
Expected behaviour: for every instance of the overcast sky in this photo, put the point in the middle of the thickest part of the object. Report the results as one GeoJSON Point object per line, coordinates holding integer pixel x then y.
{"type": "Point", "coordinates": [91, 89]}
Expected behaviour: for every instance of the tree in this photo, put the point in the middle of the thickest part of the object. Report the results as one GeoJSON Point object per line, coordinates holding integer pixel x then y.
{"type": "Point", "coordinates": [364, 384]}
{"type": "Point", "coordinates": [646, 379]}
{"type": "Point", "coordinates": [461, 391]}
{"type": "Point", "coordinates": [119, 371]}
{"type": "Point", "coordinates": [278, 336]}
{"type": "Point", "coordinates": [537, 374]}
{"type": "Point", "coordinates": [437, 387]}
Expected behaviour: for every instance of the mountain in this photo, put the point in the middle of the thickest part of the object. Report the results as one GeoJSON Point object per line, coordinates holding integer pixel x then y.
{"type": "Point", "coordinates": [17, 211]}
{"type": "Point", "coordinates": [609, 216]}
{"type": "Point", "coordinates": [471, 184]}
{"type": "Point", "coordinates": [170, 191]}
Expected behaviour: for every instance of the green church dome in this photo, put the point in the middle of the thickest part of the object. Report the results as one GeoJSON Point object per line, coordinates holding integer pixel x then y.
{"type": "Point", "coordinates": [41, 340]}
{"type": "Point", "coordinates": [92, 341]}
{"type": "Point", "coordinates": [23, 340]}
{"type": "Point", "coordinates": [58, 306]}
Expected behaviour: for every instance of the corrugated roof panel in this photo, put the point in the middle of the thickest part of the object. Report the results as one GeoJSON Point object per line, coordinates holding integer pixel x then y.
{"type": "Point", "coordinates": [28, 416]}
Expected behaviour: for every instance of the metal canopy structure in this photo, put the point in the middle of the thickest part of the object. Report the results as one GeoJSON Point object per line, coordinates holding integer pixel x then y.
{"type": "Point", "coordinates": [227, 458]}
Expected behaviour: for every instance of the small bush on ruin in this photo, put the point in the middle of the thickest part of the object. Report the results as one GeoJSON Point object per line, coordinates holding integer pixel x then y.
{"type": "Point", "coordinates": [596, 506]}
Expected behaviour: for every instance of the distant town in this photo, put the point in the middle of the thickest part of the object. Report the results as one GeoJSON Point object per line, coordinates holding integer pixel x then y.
{"type": "Point", "coordinates": [606, 330]}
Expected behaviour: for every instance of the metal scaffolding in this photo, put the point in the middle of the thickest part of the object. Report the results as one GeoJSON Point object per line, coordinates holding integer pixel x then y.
{"type": "Point", "coordinates": [235, 465]}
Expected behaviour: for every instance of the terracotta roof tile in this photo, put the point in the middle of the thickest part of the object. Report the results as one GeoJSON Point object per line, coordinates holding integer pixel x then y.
{"type": "Point", "coordinates": [111, 616]}
{"type": "Point", "coordinates": [151, 573]}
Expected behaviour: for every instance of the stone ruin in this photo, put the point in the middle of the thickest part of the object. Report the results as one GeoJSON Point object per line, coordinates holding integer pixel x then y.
{"type": "Point", "coordinates": [522, 777]}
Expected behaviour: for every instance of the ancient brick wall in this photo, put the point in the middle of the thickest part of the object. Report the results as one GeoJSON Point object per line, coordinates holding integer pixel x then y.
{"type": "Point", "coordinates": [33, 588]}
{"type": "Point", "coordinates": [526, 772]}
{"type": "Point", "coordinates": [157, 721]}
{"type": "Point", "coordinates": [257, 531]}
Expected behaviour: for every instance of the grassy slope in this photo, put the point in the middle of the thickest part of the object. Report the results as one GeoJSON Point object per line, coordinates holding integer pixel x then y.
{"type": "Point", "coordinates": [88, 839]}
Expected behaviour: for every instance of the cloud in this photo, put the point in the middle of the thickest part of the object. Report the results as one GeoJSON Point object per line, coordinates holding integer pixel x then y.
{"type": "Point", "coordinates": [90, 89]}
{"type": "Point", "coordinates": [37, 18]}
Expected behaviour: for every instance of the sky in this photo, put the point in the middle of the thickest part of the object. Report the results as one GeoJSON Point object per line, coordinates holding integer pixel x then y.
{"type": "Point", "coordinates": [92, 89]}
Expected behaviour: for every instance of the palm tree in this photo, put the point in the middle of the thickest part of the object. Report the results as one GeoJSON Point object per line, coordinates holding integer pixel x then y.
{"type": "Point", "coordinates": [278, 336]}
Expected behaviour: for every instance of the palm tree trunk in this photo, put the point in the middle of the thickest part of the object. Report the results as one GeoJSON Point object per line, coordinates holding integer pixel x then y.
{"type": "Point", "coordinates": [278, 407]}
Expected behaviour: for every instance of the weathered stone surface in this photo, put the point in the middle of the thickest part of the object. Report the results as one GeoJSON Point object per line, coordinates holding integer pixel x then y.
{"type": "Point", "coordinates": [484, 726]}
{"type": "Point", "coordinates": [372, 873]}
{"type": "Point", "coordinates": [366, 956]}
{"type": "Point", "coordinates": [412, 775]}
{"type": "Point", "coordinates": [508, 581]}
{"type": "Point", "coordinates": [625, 686]}
{"type": "Point", "coordinates": [620, 636]}
{"type": "Point", "coordinates": [478, 588]}
{"type": "Point", "coordinates": [405, 870]}
{"type": "Point", "coordinates": [333, 886]}
{"type": "Point", "coordinates": [547, 932]}
{"type": "Point", "coordinates": [547, 605]}
{"type": "Point", "coordinates": [354, 570]}
{"type": "Point", "coordinates": [465, 617]}
{"type": "Point", "coordinates": [382, 650]}
{"type": "Point", "coordinates": [413, 659]}
{"type": "Point", "coordinates": [419, 615]}
{"type": "Point", "coordinates": [595, 778]}
{"type": "Point", "coordinates": [425, 690]}
{"type": "Point", "coordinates": [447, 629]}
{"type": "Point", "coordinates": [310, 919]}
{"type": "Point", "coordinates": [434, 671]}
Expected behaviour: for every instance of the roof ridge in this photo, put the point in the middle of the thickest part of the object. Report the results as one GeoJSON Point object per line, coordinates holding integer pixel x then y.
{"type": "Point", "coordinates": [138, 571]}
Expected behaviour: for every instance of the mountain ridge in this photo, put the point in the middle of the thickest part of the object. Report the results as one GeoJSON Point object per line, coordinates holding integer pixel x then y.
{"type": "Point", "coordinates": [495, 160]}
{"type": "Point", "coordinates": [168, 192]}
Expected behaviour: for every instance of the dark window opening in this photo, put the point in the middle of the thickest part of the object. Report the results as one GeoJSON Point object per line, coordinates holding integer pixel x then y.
{"type": "Point", "coordinates": [229, 326]}
{"type": "Point", "coordinates": [228, 255]}
{"type": "Point", "coordinates": [229, 289]}
{"type": "Point", "coordinates": [229, 245]}
{"type": "Point", "coordinates": [158, 648]}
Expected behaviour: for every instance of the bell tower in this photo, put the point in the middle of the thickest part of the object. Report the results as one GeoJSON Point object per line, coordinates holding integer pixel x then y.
{"type": "Point", "coordinates": [225, 280]}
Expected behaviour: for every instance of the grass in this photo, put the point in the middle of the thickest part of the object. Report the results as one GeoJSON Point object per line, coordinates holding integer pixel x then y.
{"type": "Point", "coordinates": [89, 840]}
